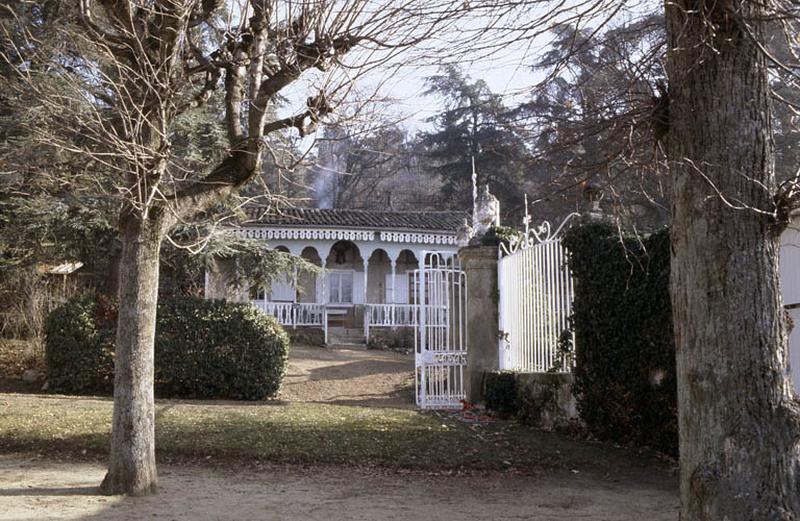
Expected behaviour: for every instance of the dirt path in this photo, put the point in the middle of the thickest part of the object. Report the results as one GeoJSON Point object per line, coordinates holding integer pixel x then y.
{"type": "Point", "coordinates": [38, 490]}
{"type": "Point", "coordinates": [349, 377]}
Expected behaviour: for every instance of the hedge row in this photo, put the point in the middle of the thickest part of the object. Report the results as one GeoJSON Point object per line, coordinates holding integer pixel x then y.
{"type": "Point", "coordinates": [203, 349]}
{"type": "Point", "coordinates": [625, 352]}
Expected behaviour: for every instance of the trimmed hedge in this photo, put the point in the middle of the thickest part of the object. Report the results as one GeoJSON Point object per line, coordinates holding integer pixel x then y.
{"type": "Point", "coordinates": [217, 349]}
{"type": "Point", "coordinates": [203, 349]}
{"type": "Point", "coordinates": [79, 348]}
{"type": "Point", "coordinates": [625, 381]}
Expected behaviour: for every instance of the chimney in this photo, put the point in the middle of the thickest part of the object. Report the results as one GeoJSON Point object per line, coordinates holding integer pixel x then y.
{"type": "Point", "coordinates": [389, 201]}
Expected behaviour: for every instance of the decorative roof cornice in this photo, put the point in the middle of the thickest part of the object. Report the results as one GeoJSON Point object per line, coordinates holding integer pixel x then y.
{"type": "Point", "coordinates": [272, 233]}
{"type": "Point", "coordinates": [420, 238]}
{"type": "Point", "coordinates": [331, 234]}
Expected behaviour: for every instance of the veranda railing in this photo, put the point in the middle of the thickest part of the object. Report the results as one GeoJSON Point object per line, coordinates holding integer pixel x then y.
{"type": "Point", "coordinates": [390, 315]}
{"type": "Point", "coordinates": [293, 313]}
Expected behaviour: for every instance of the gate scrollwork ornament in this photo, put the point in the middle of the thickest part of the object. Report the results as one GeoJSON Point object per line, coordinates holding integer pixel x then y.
{"type": "Point", "coordinates": [535, 235]}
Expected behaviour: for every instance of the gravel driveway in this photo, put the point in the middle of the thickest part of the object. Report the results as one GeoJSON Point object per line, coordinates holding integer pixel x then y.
{"type": "Point", "coordinates": [349, 377]}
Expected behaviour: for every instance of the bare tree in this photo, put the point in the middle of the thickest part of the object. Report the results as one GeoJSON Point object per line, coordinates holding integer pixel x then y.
{"type": "Point", "coordinates": [133, 65]}
{"type": "Point", "coordinates": [738, 417]}
{"type": "Point", "coordinates": [128, 68]}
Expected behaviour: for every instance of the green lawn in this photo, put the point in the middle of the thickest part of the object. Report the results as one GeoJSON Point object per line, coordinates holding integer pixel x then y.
{"type": "Point", "coordinates": [299, 433]}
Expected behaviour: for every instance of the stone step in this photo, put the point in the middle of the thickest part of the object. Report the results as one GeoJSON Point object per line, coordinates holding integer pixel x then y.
{"type": "Point", "coordinates": [353, 339]}
{"type": "Point", "coordinates": [339, 345]}
{"type": "Point", "coordinates": [347, 338]}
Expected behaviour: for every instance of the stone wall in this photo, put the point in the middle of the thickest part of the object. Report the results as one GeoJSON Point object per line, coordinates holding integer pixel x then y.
{"type": "Point", "coordinates": [546, 400]}
{"type": "Point", "coordinates": [543, 400]}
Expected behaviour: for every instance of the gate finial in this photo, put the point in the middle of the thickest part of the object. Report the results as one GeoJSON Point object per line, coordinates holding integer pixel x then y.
{"type": "Point", "coordinates": [474, 187]}
{"type": "Point", "coordinates": [487, 212]}
{"type": "Point", "coordinates": [526, 221]}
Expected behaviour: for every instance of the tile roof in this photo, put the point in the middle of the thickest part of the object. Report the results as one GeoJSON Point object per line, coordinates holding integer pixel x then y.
{"type": "Point", "coordinates": [448, 222]}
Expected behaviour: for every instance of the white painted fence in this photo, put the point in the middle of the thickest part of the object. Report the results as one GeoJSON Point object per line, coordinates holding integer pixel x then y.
{"type": "Point", "coordinates": [536, 291]}
{"type": "Point", "coordinates": [293, 314]}
{"type": "Point", "coordinates": [390, 315]}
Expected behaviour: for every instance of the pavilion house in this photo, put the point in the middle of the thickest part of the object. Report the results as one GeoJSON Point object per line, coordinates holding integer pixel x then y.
{"type": "Point", "coordinates": [368, 257]}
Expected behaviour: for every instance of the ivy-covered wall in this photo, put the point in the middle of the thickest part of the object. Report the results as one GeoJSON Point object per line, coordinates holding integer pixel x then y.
{"type": "Point", "coordinates": [625, 352]}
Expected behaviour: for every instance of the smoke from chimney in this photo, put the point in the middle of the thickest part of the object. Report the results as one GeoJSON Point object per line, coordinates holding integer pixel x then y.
{"type": "Point", "coordinates": [331, 162]}
{"type": "Point", "coordinates": [324, 185]}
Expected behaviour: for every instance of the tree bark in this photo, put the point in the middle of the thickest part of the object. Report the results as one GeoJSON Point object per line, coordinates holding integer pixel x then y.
{"type": "Point", "coordinates": [132, 464]}
{"type": "Point", "coordinates": [738, 417]}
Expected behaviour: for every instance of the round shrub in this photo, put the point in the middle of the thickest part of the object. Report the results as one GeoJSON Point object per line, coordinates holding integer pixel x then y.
{"type": "Point", "coordinates": [79, 348]}
{"type": "Point", "coordinates": [203, 349]}
{"type": "Point", "coordinates": [217, 349]}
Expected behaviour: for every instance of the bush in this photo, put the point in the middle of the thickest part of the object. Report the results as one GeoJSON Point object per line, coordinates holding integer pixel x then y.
{"type": "Point", "coordinates": [625, 381]}
{"type": "Point", "coordinates": [497, 235]}
{"type": "Point", "coordinates": [501, 393]}
{"type": "Point", "coordinates": [217, 349]}
{"type": "Point", "coordinates": [79, 348]}
{"type": "Point", "coordinates": [203, 349]}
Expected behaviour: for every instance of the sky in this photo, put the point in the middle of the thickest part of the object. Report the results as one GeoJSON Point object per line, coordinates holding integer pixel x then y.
{"type": "Point", "coordinates": [506, 68]}
{"type": "Point", "coordinates": [510, 78]}
{"type": "Point", "coordinates": [507, 74]}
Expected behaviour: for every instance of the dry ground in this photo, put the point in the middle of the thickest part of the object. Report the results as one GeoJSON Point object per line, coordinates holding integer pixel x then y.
{"type": "Point", "coordinates": [43, 490]}
{"type": "Point", "coordinates": [358, 451]}
{"type": "Point", "coordinates": [349, 377]}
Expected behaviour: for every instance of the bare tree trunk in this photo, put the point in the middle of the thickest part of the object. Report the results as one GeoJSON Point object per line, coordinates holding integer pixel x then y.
{"type": "Point", "coordinates": [737, 415]}
{"type": "Point", "coordinates": [132, 465]}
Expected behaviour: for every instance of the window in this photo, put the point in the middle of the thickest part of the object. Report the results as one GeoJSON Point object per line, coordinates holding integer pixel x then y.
{"type": "Point", "coordinates": [340, 287]}
{"type": "Point", "coordinates": [398, 289]}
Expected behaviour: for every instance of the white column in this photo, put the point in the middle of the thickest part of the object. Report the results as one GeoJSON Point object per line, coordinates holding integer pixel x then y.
{"type": "Point", "coordinates": [294, 284]}
{"type": "Point", "coordinates": [294, 298]}
{"type": "Point", "coordinates": [392, 309]}
{"type": "Point", "coordinates": [366, 278]}
{"type": "Point", "coordinates": [322, 280]}
{"type": "Point", "coordinates": [393, 263]}
{"type": "Point", "coordinates": [420, 255]}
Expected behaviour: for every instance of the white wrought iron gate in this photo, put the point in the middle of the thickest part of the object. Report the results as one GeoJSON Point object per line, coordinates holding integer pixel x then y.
{"type": "Point", "coordinates": [536, 291]}
{"type": "Point", "coordinates": [440, 291]}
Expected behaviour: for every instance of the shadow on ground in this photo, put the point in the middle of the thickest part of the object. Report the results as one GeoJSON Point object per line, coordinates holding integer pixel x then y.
{"type": "Point", "coordinates": [66, 491]}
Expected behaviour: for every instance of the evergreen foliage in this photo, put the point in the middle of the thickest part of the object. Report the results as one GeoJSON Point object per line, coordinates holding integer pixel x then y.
{"type": "Point", "coordinates": [501, 393]}
{"type": "Point", "coordinates": [625, 380]}
{"type": "Point", "coordinates": [79, 348]}
{"type": "Point", "coordinates": [475, 124]}
{"type": "Point", "coordinates": [204, 349]}
{"type": "Point", "coordinates": [217, 349]}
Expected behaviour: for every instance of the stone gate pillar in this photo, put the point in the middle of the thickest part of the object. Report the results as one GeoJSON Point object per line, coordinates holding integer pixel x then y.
{"type": "Point", "coordinates": [480, 265]}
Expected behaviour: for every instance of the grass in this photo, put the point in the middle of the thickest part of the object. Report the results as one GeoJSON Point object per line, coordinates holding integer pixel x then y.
{"type": "Point", "coordinates": [305, 433]}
